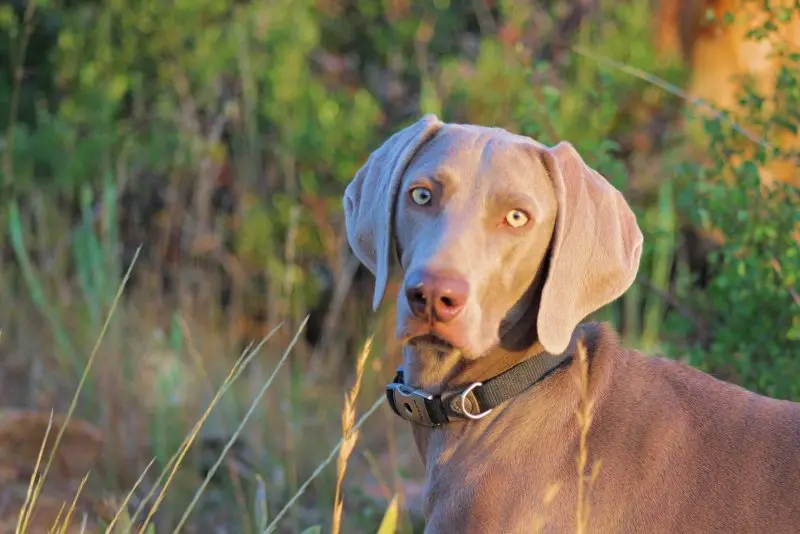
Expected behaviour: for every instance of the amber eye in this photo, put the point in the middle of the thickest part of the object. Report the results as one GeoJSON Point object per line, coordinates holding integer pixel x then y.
{"type": "Point", "coordinates": [517, 218]}
{"type": "Point", "coordinates": [421, 195]}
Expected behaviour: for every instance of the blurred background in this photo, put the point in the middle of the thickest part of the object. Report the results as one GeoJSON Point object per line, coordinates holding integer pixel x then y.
{"type": "Point", "coordinates": [205, 145]}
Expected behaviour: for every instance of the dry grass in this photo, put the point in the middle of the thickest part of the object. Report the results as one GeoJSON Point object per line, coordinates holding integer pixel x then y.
{"type": "Point", "coordinates": [167, 497]}
{"type": "Point", "coordinates": [342, 452]}
{"type": "Point", "coordinates": [349, 437]}
{"type": "Point", "coordinates": [63, 517]}
{"type": "Point", "coordinates": [584, 416]}
{"type": "Point", "coordinates": [30, 498]}
{"type": "Point", "coordinates": [34, 490]}
{"type": "Point", "coordinates": [321, 467]}
{"type": "Point", "coordinates": [240, 427]}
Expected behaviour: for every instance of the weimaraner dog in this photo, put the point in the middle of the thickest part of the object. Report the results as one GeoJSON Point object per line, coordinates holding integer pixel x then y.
{"type": "Point", "coordinates": [505, 245]}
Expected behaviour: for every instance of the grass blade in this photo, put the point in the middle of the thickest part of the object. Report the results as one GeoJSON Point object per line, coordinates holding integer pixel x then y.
{"type": "Point", "coordinates": [321, 467]}
{"type": "Point", "coordinates": [238, 430]}
{"type": "Point", "coordinates": [389, 521]}
{"type": "Point", "coordinates": [123, 507]}
{"type": "Point", "coordinates": [34, 286]}
{"type": "Point", "coordinates": [262, 511]}
{"type": "Point", "coordinates": [85, 374]}
{"type": "Point", "coordinates": [25, 511]}
{"type": "Point", "coordinates": [176, 459]}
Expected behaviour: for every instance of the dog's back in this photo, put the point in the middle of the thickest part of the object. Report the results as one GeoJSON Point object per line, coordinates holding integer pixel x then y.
{"type": "Point", "coordinates": [685, 452]}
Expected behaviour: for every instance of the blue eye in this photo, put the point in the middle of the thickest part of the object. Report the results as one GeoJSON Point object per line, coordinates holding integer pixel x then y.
{"type": "Point", "coordinates": [421, 195]}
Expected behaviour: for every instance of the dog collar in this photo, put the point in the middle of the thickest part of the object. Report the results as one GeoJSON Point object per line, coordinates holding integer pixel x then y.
{"type": "Point", "coordinates": [473, 402]}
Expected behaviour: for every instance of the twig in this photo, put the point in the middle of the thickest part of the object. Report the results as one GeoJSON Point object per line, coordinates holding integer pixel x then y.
{"type": "Point", "coordinates": [776, 266]}
{"type": "Point", "coordinates": [672, 301]}
{"type": "Point", "coordinates": [341, 289]}
{"type": "Point", "coordinates": [486, 22]}
{"type": "Point", "coordinates": [670, 88]}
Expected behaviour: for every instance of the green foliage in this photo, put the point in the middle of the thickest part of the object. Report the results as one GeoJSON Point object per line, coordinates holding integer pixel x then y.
{"type": "Point", "coordinates": [752, 300]}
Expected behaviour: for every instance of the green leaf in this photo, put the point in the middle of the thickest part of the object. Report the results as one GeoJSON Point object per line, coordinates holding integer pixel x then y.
{"type": "Point", "coordinates": [260, 505]}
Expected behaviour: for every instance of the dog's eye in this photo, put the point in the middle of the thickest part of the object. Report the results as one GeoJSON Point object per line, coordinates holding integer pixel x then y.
{"type": "Point", "coordinates": [421, 195]}
{"type": "Point", "coordinates": [517, 218]}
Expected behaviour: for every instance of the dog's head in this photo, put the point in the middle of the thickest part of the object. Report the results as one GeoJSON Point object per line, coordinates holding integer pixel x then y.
{"type": "Point", "coordinates": [502, 240]}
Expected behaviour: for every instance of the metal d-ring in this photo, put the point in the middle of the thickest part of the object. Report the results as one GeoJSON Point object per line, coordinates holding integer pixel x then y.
{"type": "Point", "coordinates": [463, 398]}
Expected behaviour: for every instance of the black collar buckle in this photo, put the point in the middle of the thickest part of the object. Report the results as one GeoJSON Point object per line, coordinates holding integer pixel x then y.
{"type": "Point", "coordinates": [409, 403]}
{"type": "Point", "coordinates": [472, 402]}
{"type": "Point", "coordinates": [426, 409]}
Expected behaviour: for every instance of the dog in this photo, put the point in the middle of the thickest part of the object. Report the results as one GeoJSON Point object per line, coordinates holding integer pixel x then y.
{"type": "Point", "coordinates": [505, 246]}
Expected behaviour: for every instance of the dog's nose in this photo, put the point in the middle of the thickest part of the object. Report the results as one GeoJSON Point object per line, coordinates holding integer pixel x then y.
{"type": "Point", "coordinates": [436, 296]}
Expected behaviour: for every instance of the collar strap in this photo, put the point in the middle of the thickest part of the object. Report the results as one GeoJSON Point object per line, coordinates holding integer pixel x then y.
{"type": "Point", "coordinates": [472, 402]}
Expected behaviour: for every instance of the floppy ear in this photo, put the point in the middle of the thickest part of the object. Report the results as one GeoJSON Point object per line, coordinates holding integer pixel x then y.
{"type": "Point", "coordinates": [369, 200]}
{"type": "Point", "coordinates": [595, 251]}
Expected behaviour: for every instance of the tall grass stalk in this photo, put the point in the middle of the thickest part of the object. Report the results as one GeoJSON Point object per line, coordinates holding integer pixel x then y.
{"type": "Point", "coordinates": [71, 510]}
{"type": "Point", "coordinates": [238, 430]}
{"type": "Point", "coordinates": [349, 437]}
{"type": "Point", "coordinates": [35, 289]}
{"type": "Point", "coordinates": [74, 403]}
{"type": "Point", "coordinates": [27, 508]}
{"type": "Point", "coordinates": [321, 467]}
{"type": "Point", "coordinates": [584, 416]}
{"type": "Point", "coordinates": [124, 506]}
{"type": "Point", "coordinates": [186, 445]}
{"type": "Point", "coordinates": [234, 372]}
{"type": "Point", "coordinates": [241, 363]}
{"type": "Point", "coordinates": [58, 517]}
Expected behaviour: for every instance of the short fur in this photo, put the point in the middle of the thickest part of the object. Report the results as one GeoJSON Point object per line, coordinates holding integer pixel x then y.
{"type": "Point", "coordinates": [680, 450]}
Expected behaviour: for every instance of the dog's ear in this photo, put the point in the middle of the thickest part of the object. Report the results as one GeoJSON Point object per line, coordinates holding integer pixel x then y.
{"type": "Point", "coordinates": [370, 199]}
{"type": "Point", "coordinates": [595, 251]}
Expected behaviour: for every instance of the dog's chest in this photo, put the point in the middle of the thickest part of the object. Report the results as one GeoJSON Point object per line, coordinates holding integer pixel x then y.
{"type": "Point", "coordinates": [474, 487]}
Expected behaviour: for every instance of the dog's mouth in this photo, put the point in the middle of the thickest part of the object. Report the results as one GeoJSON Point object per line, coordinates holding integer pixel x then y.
{"type": "Point", "coordinates": [431, 341]}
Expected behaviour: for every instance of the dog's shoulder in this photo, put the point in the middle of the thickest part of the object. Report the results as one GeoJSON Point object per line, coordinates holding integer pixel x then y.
{"type": "Point", "coordinates": [662, 375]}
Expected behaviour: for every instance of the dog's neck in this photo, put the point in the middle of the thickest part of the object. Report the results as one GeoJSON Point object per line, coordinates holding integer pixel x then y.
{"type": "Point", "coordinates": [435, 371]}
